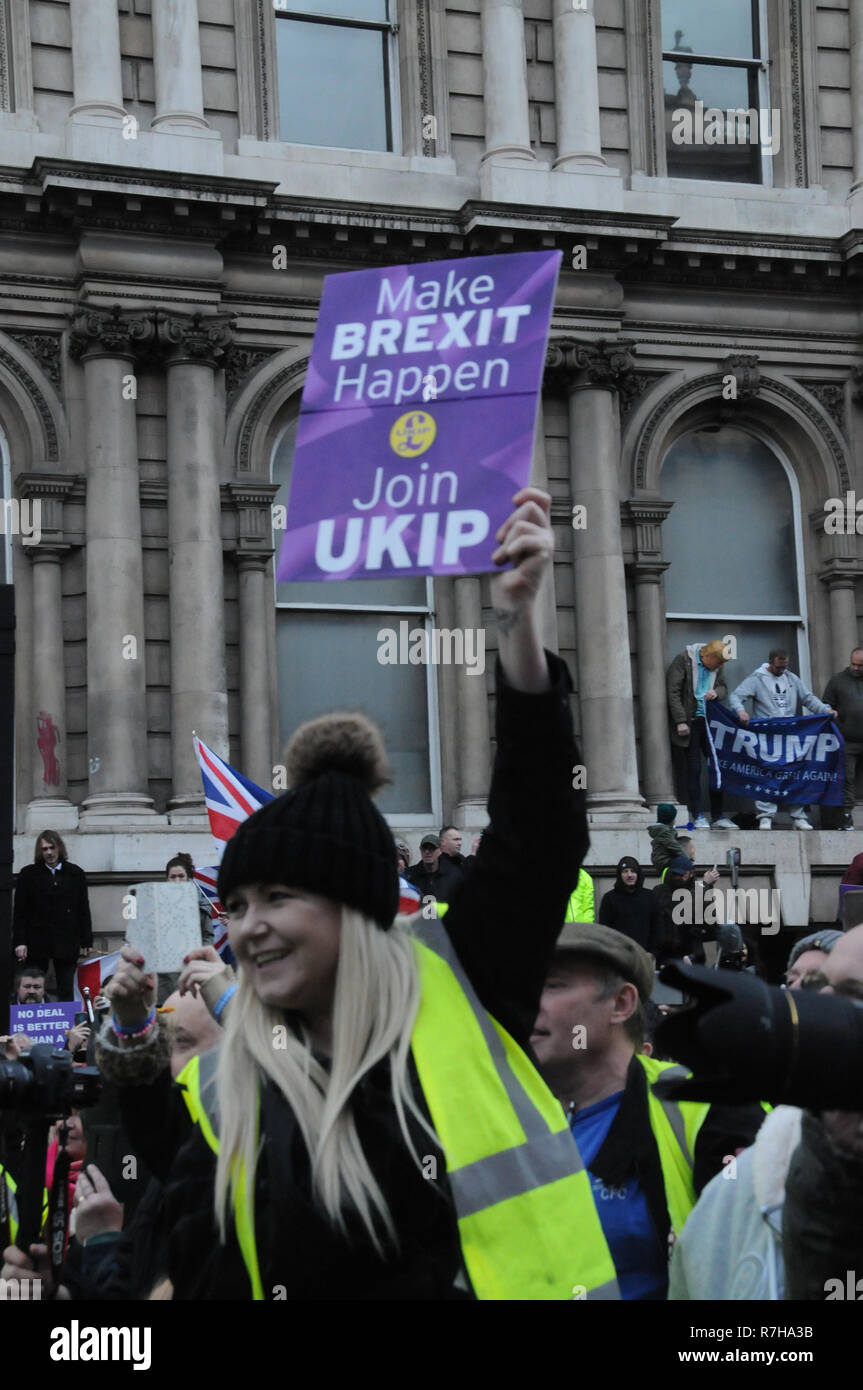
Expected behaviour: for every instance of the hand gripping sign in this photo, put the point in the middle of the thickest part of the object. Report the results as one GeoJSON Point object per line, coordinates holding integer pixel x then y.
{"type": "Point", "coordinates": [417, 420]}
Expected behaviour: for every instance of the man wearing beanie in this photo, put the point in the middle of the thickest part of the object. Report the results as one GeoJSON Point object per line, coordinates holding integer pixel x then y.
{"type": "Point", "coordinates": [808, 956]}
{"type": "Point", "coordinates": [694, 677]}
{"type": "Point", "coordinates": [588, 1037]}
{"type": "Point", "coordinates": [665, 845]}
{"type": "Point", "coordinates": [631, 908]}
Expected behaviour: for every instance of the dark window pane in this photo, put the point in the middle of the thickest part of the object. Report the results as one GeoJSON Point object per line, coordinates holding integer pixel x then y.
{"type": "Point", "coordinates": [339, 9]}
{"type": "Point", "coordinates": [408, 592]}
{"type": "Point", "coordinates": [713, 127]}
{"type": "Point", "coordinates": [716, 28]}
{"type": "Point", "coordinates": [328, 661]}
{"type": "Point", "coordinates": [332, 85]}
{"type": "Point", "coordinates": [729, 538]}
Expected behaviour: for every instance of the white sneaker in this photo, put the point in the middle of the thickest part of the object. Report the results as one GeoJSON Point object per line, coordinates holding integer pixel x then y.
{"type": "Point", "coordinates": [765, 823]}
{"type": "Point", "coordinates": [801, 823]}
{"type": "Point", "coordinates": [724, 824]}
{"type": "Point", "coordinates": [701, 823]}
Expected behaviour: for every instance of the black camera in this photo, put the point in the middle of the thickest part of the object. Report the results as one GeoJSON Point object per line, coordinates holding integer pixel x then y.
{"type": "Point", "coordinates": [44, 1082]}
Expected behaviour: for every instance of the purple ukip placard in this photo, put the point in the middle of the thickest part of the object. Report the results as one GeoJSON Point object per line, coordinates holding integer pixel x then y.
{"type": "Point", "coordinates": [417, 419]}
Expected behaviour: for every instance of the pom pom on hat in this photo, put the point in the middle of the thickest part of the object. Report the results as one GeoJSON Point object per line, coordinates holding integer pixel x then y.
{"type": "Point", "coordinates": [325, 833]}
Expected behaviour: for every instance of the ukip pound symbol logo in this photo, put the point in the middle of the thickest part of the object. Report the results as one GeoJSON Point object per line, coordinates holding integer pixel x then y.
{"type": "Point", "coordinates": [412, 434]}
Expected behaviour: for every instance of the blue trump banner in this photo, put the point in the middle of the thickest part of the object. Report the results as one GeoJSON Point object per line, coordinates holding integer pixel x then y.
{"type": "Point", "coordinates": [793, 760]}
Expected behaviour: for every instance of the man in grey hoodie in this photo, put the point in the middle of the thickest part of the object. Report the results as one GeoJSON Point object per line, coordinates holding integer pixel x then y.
{"type": "Point", "coordinates": [776, 693]}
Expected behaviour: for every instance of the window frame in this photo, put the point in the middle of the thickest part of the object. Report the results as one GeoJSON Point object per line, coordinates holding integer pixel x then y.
{"type": "Point", "coordinates": [756, 66]}
{"type": "Point", "coordinates": [789, 52]}
{"type": "Point", "coordinates": [409, 820]}
{"type": "Point", "coordinates": [799, 619]}
{"type": "Point", "coordinates": [389, 29]}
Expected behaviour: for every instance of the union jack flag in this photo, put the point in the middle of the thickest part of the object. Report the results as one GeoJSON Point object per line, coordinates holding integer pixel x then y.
{"type": "Point", "coordinates": [230, 797]}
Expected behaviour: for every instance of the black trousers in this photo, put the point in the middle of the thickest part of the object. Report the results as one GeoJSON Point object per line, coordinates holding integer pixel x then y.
{"type": "Point", "coordinates": [64, 974]}
{"type": "Point", "coordinates": [697, 754]}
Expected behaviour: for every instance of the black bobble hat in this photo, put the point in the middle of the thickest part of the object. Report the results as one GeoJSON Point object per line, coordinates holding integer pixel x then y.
{"type": "Point", "coordinates": [325, 834]}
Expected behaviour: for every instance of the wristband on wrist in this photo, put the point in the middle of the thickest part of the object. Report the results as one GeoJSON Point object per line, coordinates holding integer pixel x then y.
{"type": "Point", "coordinates": [223, 1000]}
{"type": "Point", "coordinates": [134, 1030]}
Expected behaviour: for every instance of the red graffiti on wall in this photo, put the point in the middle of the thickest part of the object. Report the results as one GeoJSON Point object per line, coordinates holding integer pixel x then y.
{"type": "Point", "coordinates": [48, 736]}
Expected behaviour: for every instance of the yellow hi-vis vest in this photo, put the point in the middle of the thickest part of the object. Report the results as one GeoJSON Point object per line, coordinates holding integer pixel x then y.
{"type": "Point", "coordinates": [11, 1202]}
{"type": "Point", "coordinates": [527, 1222]}
{"type": "Point", "coordinates": [675, 1125]}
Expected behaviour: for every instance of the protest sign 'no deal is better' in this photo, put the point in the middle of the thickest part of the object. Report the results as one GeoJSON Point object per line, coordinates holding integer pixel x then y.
{"type": "Point", "coordinates": [417, 420]}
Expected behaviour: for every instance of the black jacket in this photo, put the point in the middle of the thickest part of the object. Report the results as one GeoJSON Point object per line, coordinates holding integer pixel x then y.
{"type": "Point", "coordinates": [634, 911]}
{"type": "Point", "coordinates": [844, 693]}
{"type": "Point", "coordinates": [52, 912]}
{"type": "Point", "coordinates": [503, 924]}
{"type": "Point", "coordinates": [822, 1216]}
{"type": "Point", "coordinates": [441, 884]}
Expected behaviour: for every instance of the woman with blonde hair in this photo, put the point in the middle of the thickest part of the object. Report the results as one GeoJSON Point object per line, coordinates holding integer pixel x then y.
{"type": "Point", "coordinates": [373, 1126]}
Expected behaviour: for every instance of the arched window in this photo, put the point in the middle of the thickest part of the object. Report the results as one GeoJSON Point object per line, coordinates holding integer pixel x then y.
{"type": "Point", "coordinates": [732, 540]}
{"type": "Point", "coordinates": [329, 638]}
{"type": "Point", "coordinates": [7, 516]}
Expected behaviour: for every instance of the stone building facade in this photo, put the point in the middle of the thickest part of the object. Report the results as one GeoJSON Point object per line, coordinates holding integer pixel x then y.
{"type": "Point", "coordinates": [176, 179]}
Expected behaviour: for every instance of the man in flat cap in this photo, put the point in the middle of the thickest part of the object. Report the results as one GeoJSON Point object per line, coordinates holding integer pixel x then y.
{"type": "Point", "coordinates": [647, 1157]}
{"type": "Point", "coordinates": [695, 676]}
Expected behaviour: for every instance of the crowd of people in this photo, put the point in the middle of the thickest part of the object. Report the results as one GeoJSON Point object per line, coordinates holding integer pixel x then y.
{"type": "Point", "coordinates": [471, 1103]}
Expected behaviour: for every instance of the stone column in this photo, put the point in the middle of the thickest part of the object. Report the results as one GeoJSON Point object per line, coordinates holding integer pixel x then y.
{"type": "Point", "coordinates": [855, 20]}
{"type": "Point", "coordinates": [46, 494]}
{"type": "Point", "coordinates": [844, 631]}
{"type": "Point", "coordinates": [177, 66]}
{"type": "Point", "coordinates": [504, 81]}
{"type": "Point", "coordinates": [199, 700]}
{"type": "Point", "coordinates": [254, 553]}
{"type": "Point", "coordinates": [657, 778]}
{"type": "Point", "coordinates": [107, 342]}
{"type": "Point", "coordinates": [576, 87]}
{"type": "Point", "coordinates": [591, 374]}
{"type": "Point", "coordinates": [96, 75]}
{"type": "Point", "coordinates": [474, 774]}
{"type": "Point", "coordinates": [539, 478]}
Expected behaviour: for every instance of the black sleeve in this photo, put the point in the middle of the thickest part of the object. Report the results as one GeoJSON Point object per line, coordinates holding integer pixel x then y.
{"type": "Point", "coordinates": [655, 928]}
{"type": "Point", "coordinates": [156, 1120]}
{"type": "Point", "coordinates": [606, 910]}
{"type": "Point", "coordinates": [21, 909]}
{"type": "Point", "coordinates": [85, 925]}
{"type": "Point", "coordinates": [508, 912]}
{"type": "Point", "coordinates": [726, 1129]}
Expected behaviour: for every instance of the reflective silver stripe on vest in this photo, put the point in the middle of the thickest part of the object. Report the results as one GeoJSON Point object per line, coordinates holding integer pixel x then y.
{"type": "Point", "coordinates": [513, 1171]}
{"type": "Point", "coordinates": [673, 1112]}
{"type": "Point", "coordinates": [545, 1157]}
{"type": "Point", "coordinates": [434, 935]}
{"type": "Point", "coordinates": [208, 1067]}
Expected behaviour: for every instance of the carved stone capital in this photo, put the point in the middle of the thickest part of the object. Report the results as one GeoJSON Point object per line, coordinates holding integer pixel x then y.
{"type": "Point", "coordinates": [574, 364]}
{"type": "Point", "coordinates": [254, 509]}
{"type": "Point", "coordinates": [743, 367]}
{"type": "Point", "coordinates": [202, 338]}
{"type": "Point", "coordinates": [646, 516]}
{"type": "Point", "coordinates": [841, 573]}
{"type": "Point", "coordinates": [45, 494]}
{"type": "Point", "coordinates": [114, 332]}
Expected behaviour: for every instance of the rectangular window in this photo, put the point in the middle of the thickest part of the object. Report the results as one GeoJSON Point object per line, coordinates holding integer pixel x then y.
{"type": "Point", "coordinates": [336, 72]}
{"type": "Point", "coordinates": [329, 647]}
{"type": "Point", "coordinates": [718, 123]}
